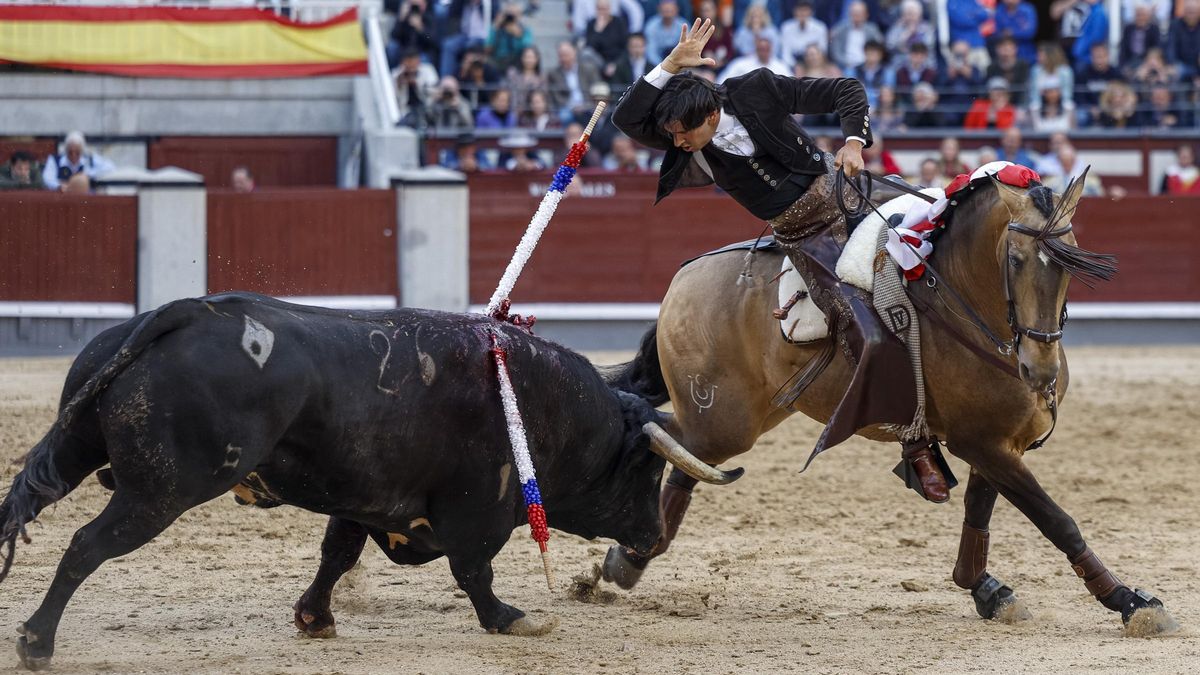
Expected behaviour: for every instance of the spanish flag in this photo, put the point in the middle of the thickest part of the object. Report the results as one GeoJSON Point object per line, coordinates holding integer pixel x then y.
{"type": "Point", "coordinates": [181, 42]}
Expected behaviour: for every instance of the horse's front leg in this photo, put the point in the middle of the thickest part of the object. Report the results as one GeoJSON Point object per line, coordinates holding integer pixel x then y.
{"type": "Point", "coordinates": [993, 598]}
{"type": "Point", "coordinates": [1007, 472]}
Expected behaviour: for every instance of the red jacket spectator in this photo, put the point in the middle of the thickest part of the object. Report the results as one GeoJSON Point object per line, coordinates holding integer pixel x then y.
{"type": "Point", "coordinates": [995, 112]}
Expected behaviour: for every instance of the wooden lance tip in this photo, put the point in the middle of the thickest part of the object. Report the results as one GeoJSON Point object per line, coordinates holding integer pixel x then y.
{"type": "Point", "coordinates": [548, 569]}
{"type": "Point", "coordinates": [592, 123]}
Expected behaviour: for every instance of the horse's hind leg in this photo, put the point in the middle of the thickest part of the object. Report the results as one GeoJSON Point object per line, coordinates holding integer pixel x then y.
{"type": "Point", "coordinates": [993, 599]}
{"type": "Point", "coordinates": [1008, 473]}
{"type": "Point", "coordinates": [125, 524]}
{"type": "Point", "coordinates": [340, 549]}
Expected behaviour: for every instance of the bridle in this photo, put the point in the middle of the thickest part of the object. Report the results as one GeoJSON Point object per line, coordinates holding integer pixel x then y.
{"type": "Point", "coordinates": [1017, 329]}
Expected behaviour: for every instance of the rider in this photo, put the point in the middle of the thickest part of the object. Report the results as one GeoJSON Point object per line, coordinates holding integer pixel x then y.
{"type": "Point", "coordinates": [741, 135]}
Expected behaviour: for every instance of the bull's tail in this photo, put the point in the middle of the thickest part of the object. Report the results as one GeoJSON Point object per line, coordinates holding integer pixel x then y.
{"type": "Point", "coordinates": [643, 375]}
{"type": "Point", "coordinates": [39, 484]}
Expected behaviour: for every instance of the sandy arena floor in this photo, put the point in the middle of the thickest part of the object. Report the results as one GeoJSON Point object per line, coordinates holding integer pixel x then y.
{"type": "Point", "coordinates": [838, 570]}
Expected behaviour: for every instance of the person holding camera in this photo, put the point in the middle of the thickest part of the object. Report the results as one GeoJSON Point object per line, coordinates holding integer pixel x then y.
{"type": "Point", "coordinates": [74, 158]}
{"type": "Point", "coordinates": [415, 82]}
{"type": "Point", "coordinates": [449, 110]}
{"type": "Point", "coordinates": [509, 37]}
{"type": "Point", "coordinates": [414, 29]}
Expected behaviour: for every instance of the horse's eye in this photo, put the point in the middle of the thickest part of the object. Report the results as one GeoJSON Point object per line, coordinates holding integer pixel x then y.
{"type": "Point", "coordinates": [1014, 261]}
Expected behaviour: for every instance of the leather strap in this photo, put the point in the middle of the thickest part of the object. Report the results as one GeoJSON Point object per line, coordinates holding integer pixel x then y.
{"type": "Point", "coordinates": [972, 556]}
{"type": "Point", "coordinates": [985, 354]}
{"type": "Point", "coordinates": [1096, 578]}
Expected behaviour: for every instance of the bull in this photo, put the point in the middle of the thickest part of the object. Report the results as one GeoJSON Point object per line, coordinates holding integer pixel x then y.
{"type": "Point", "coordinates": [389, 422]}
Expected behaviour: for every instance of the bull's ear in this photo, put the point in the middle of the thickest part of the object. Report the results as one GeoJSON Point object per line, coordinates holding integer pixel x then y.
{"type": "Point", "coordinates": [1070, 197]}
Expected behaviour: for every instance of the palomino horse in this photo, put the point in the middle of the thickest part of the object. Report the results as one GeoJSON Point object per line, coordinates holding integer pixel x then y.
{"type": "Point", "coordinates": [1009, 253]}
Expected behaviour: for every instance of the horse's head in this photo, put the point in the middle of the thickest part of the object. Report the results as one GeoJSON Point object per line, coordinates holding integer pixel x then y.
{"type": "Point", "coordinates": [1038, 256]}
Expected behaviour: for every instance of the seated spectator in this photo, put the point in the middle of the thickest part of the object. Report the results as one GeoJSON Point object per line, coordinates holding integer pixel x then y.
{"type": "Point", "coordinates": [1183, 39]}
{"type": "Point", "coordinates": [242, 180]}
{"type": "Point", "coordinates": [624, 156]}
{"type": "Point", "coordinates": [1164, 112]}
{"type": "Point", "coordinates": [1092, 186]}
{"type": "Point", "coordinates": [914, 69]}
{"type": "Point", "coordinates": [1139, 36]}
{"type": "Point", "coordinates": [508, 37]}
{"type": "Point", "coordinates": [1017, 19]}
{"type": "Point", "coordinates": [1012, 149]}
{"type": "Point", "coordinates": [1051, 65]}
{"type": "Point", "coordinates": [960, 83]}
{"type": "Point", "coordinates": [720, 46]}
{"type": "Point", "coordinates": [1051, 113]}
{"type": "Point", "coordinates": [583, 11]}
{"type": "Point", "coordinates": [1153, 70]}
{"type": "Point", "coordinates": [21, 173]}
{"type": "Point", "coordinates": [755, 25]}
{"type": "Point", "coordinates": [465, 157]}
{"type": "Point", "coordinates": [498, 113]}
{"type": "Point", "coordinates": [1011, 67]}
{"type": "Point", "coordinates": [518, 146]}
{"type": "Point", "coordinates": [536, 113]}
{"type": "Point", "coordinates": [950, 159]}
{"type": "Point", "coordinates": [1048, 163]}
{"type": "Point", "coordinates": [816, 64]}
{"type": "Point", "coordinates": [1118, 107]}
{"type": "Point", "coordinates": [1093, 80]}
{"type": "Point", "coordinates": [763, 57]}
{"type": "Point", "coordinates": [414, 30]}
{"type": "Point", "coordinates": [929, 174]}
{"type": "Point", "coordinates": [878, 160]}
{"type": "Point", "coordinates": [450, 110]}
{"type": "Point", "coordinates": [967, 21]}
{"type": "Point", "coordinates": [662, 30]}
{"type": "Point", "coordinates": [571, 80]}
{"type": "Point", "coordinates": [887, 116]}
{"type": "Point", "coordinates": [633, 64]}
{"type": "Point", "coordinates": [1182, 177]}
{"type": "Point", "coordinates": [802, 30]}
{"type": "Point", "coordinates": [466, 27]}
{"type": "Point", "coordinates": [1094, 31]}
{"type": "Point", "coordinates": [872, 72]}
{"type": "Point", "coordinates": [607, 36]}
{"type": "Point", "coordinates": [415, 82]}
{"type": "Point", "coordinates": [994, 112]}
{"type": "Point", "coordinates": [910, 30]}
{"type": "Point", "coordinates": [526, 76]}
{"type": "Point", "coordinates": [985, 155]}
{"type": "Point", "coordinates": [476, 78]}
{"type": "Point", "coordinates": [848, 41]}
{"type": "Point", "coordinates": [924, 112]}
{"type": "Point", "coordinates": [74, 158]}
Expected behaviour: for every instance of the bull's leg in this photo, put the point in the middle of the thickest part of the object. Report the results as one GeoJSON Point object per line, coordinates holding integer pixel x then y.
{"type": "Point", "coordinates": [473, 572]}
{"type": "Point", "coordinates": [1008, 473]}
{"type": "Point", "coordinates": [624, 567]}
{"type": "Point", "coordinates": [126, 523]}
{"type": "Point", "coordinates": [341, 548]}
{"type": "Point", "coordinates": [993, 599]}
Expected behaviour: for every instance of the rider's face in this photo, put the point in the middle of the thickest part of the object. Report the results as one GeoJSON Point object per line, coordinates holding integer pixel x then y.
{"type": "Point", "coordinates": [693, 140]}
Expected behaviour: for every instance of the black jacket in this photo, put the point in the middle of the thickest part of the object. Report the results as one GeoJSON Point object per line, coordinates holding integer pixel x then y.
{"type": "Point", "coordinates": [764, 103]}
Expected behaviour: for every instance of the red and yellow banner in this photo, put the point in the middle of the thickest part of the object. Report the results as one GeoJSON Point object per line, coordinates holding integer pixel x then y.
{"type": "Point", "coordinates": [181, 42]}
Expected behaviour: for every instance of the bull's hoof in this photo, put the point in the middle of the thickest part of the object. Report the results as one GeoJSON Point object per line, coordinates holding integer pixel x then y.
{"type": "Point", "coordinates": [526, 627]}
{"type": "Point", "coordinates": [316, 626]}
{"type": "Point", "coordinates": [29, 661]}
{"type": "Point", "coordinates": [1144, 616]}
{"type": "Point", "coordinates": [622, 567]}
{"type": "Point", "coordinates": [996, 602]}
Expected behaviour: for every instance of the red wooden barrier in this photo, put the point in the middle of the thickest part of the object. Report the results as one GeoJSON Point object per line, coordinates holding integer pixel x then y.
{"type": "Point", "coordinates": [274, 162]}
{"type": "Point", "coordinates": [58, 247]}
{"type": "Point", "coordinates": [303, 242]}
{"type": "Point", "coordinates": [611, 244]}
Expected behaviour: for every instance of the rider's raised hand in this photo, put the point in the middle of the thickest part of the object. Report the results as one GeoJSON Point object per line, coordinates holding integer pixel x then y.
{"type": "Point", "coordinates": [686, 54]}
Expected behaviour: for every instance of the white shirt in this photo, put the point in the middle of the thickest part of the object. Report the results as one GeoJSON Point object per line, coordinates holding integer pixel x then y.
{"type": "Point", "coordinates": [745, 64]}
{"type": "Point", "coordinates": [795, 39]}
{"type": "Point", "coordinates": [730, 135]}
{"type": "Point", "coordinates": [89, 163]}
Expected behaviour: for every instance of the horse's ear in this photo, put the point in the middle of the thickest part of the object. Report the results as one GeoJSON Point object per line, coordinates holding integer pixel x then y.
{"type": "Point", "coordinates": [1070, 196]}
{"type": "Point", "coordinates": [1014, 199]}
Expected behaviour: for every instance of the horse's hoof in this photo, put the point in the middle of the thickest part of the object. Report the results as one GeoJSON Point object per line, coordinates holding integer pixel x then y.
{"type": "Point", "coordinates": [28, 661]}
{"type": "Point", "coordinates": [996, 602]}
{"type": "Point", "coordinates": [526, 627]}
{"type": "Point", "coordinates": [321, 628]}
{"type": "Point", "coordinates": [1144, 616]}
{"type": "Point", "coordinates": [622, 568]}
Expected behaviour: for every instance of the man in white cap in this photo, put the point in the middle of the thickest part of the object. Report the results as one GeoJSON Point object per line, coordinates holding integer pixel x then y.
{"type": "Point", "coordinates": [74, 158]}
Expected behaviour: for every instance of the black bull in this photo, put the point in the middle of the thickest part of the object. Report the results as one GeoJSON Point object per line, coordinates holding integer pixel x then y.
{"type": "Point", "coordinates": [391, 422]}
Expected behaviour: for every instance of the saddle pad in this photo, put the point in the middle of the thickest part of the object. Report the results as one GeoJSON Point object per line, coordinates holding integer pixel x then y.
{"type": "Point", "coordinates": [856, 265]}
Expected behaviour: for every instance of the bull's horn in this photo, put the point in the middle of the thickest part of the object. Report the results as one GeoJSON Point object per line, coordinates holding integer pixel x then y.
{"type": "Point", "coordinates": [662, 444]}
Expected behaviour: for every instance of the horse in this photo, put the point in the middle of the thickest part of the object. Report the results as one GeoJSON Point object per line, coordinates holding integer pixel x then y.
{"type": "Point", "coordinates": [1003, 265]}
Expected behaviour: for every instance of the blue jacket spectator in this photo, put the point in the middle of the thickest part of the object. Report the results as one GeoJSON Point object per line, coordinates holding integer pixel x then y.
{"type": "Point", "coordinates": [966, 17]}
{"type": "Point", "coordinates": [960, 80]}
{"type": "Point", "coordinates": [1094, 30]}
{"type": "Point", "coordinates": [74, 158]}
{"type": "Point", "coordinates": [1183, 40]}
{"type": "Point", "coordinates": [873, 72]}
{"type": "Point", "coordinates": [662, 30]}
{"type": "Point", "coordinates": [1019, 20]}
{"type": "Point", "coordinates": [499, 113]}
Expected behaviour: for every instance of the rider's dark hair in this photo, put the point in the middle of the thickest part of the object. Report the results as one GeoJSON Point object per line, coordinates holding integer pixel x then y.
{"type": "Point", "coordinates": [688, 99]}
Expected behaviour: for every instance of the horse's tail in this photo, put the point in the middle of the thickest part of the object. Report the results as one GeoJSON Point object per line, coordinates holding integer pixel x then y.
{"type": "Point", "coordinates": [643, 375]}
{"type": "Point", "coordinates": [40, 484]}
